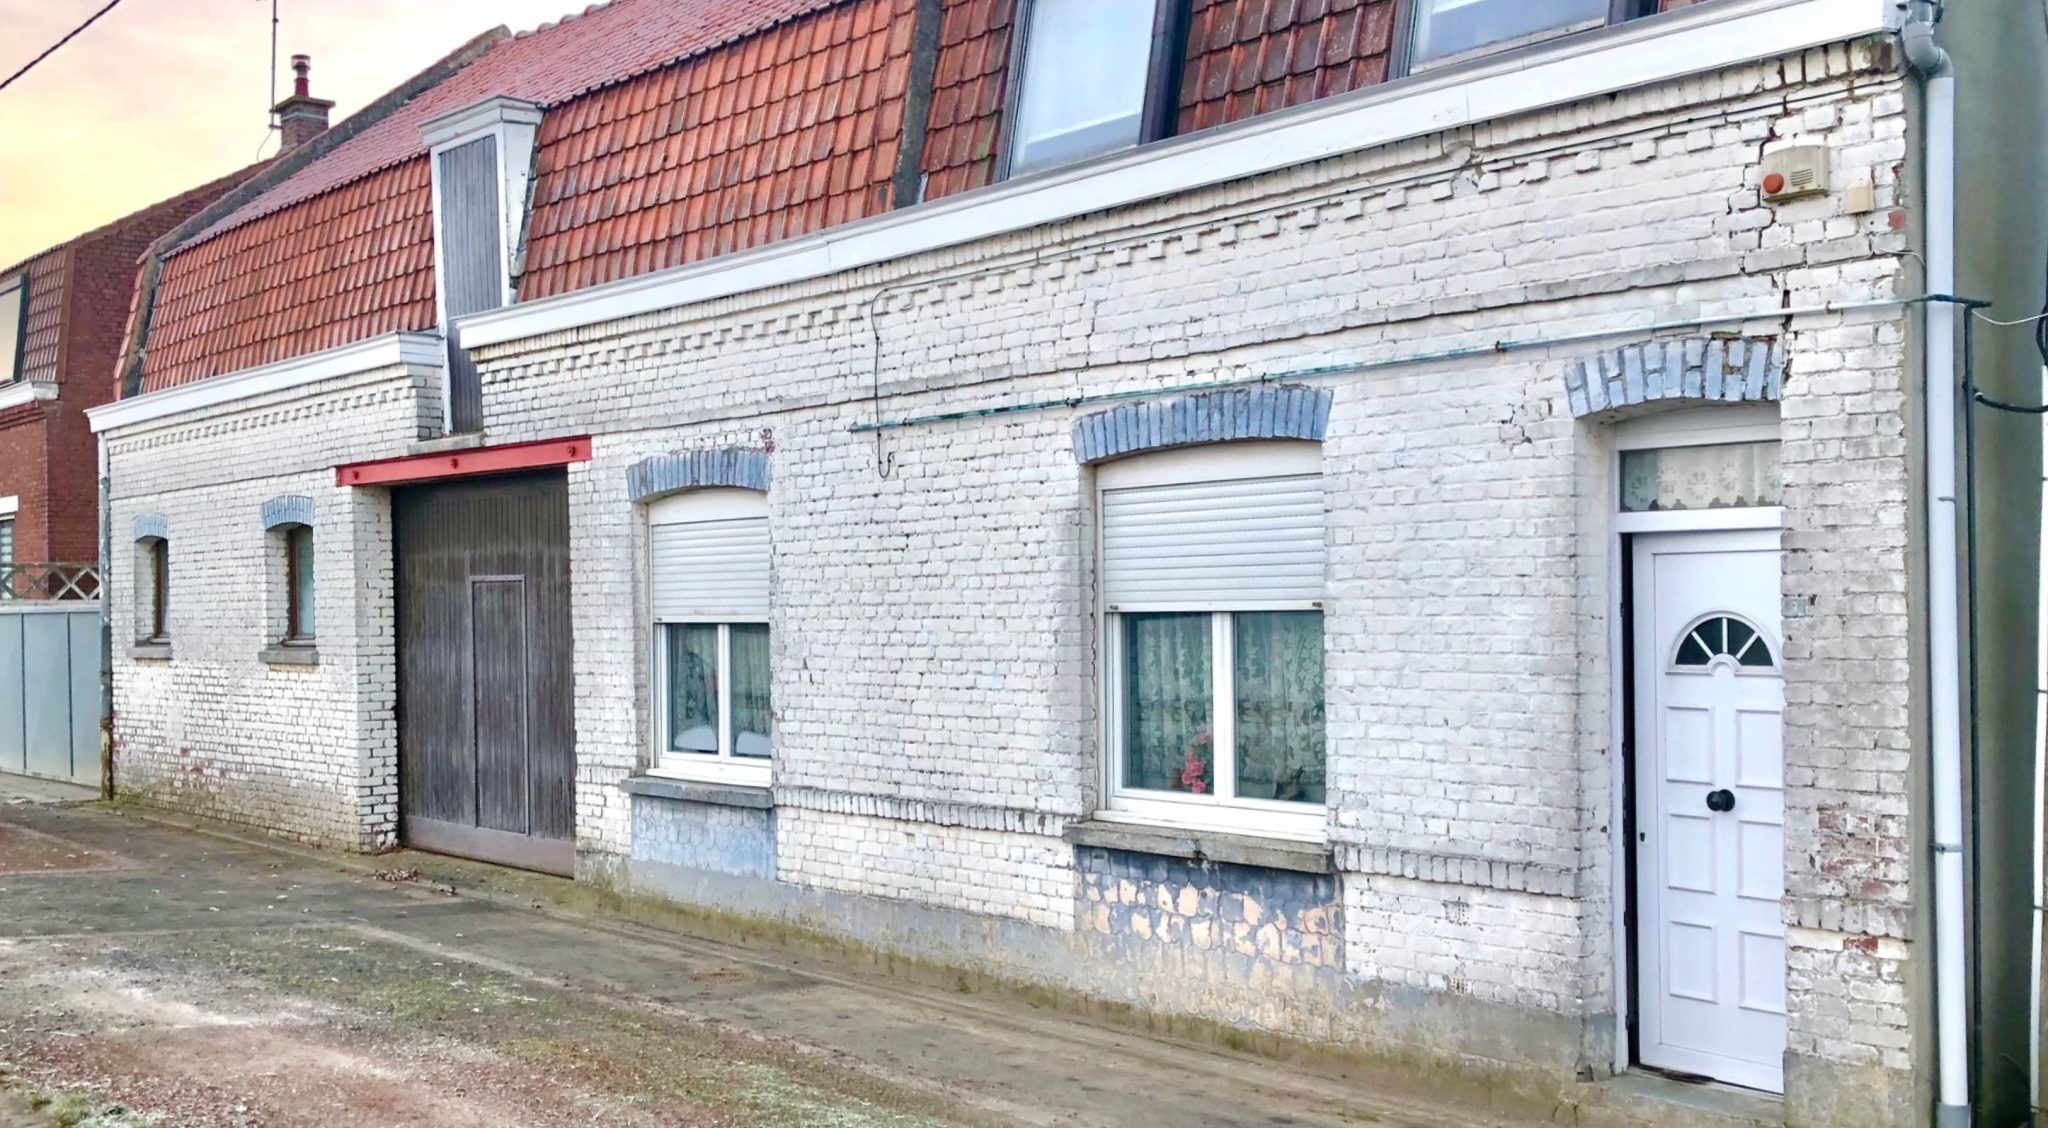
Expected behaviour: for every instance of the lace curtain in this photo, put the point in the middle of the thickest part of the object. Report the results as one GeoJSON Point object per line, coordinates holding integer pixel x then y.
{"type": "Point", "coordinates": [750, 689]}
{"type": "Point", "coordinates": [1168, 718]}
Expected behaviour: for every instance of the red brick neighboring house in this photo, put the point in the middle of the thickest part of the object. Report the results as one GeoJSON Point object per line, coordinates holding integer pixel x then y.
{"type": "Point", "coordinates": [62, 313]}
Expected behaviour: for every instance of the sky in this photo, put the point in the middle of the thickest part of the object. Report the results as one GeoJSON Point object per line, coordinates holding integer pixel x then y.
{"type": "Point", "coordinates": [162, 95]}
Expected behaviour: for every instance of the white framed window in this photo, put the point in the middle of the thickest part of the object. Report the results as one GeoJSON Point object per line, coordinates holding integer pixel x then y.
{"type": "Point", "coordinates": [152, 590]}
{"type": "Point", "coordinates": [1452, 29]}
{"type": "Point", "coordinates": [1094, 76]}
{"type": "Point", "coordinates": [1211, 573]}
{"type": "Point", "coordinates": [708, 582]}
{"type": "Point", "coordinates": [293, 621]}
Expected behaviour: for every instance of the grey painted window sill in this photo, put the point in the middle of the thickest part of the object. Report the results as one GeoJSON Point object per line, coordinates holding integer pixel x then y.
{"type": "Point", "coordinates": [280, 654]}
{"type": "Point", "coordinates": [151, 651]}
{"type": "Point", "coordinates": [1203, 845]}
{"type": "Point", "coordinates": [718, 794]}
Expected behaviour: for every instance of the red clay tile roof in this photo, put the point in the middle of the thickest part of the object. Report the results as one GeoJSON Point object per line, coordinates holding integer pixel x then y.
{"type": "Point", "coordinates": [351, 264]}
{"type": "Point", "coordinates": [47, 274]}
{"type": "Point", "coordinates": [655, 150]}
{"type": "Point", "coordinates": [547, 66]}
{"type": "Point", "coordinates": [795, 129]}
{"type": "Point", "coordinates": [967, 96]}
{"type": "Point", "coordinates": [1249, 57]}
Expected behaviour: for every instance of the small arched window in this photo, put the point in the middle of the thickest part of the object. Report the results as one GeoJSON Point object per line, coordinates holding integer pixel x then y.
{"type": "Point", "coordinates": [1724, 636]}
{"type": "Point", "coordinates": [153, 589]}
{"type": "Point", "coordinates": [298, 582]}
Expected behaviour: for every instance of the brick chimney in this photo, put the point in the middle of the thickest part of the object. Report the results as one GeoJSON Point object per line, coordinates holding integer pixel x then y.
{"type": "Point", "coordinates": [301, 117]}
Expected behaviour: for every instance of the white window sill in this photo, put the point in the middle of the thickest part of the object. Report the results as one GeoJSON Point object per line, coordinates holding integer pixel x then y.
{"type": "Point", "coordinates": [713, 770]}
{"type": "Point", "coordinates": [1107, 831]}
{"type": "Point", "coordinates": [291, 654]}
{"type": "Point", "coordinates": [696, 791]}
{"type": "Point", "coordinates": [151, 651]}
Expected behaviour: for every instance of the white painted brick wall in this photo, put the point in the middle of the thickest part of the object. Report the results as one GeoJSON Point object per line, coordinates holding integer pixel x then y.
{"type": "Point", "coordinates": [935, 679]}
{"type": "Point", "coordinates": [309, 751]}
{"type": "Point", "coordinates": [1490, 944]}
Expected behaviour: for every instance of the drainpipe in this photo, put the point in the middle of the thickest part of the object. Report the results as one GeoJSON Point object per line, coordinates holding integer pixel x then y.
{"type": "Point", "coordinates": [106, 626]}
{"type": "Point", "coordinates": [1951, 955]}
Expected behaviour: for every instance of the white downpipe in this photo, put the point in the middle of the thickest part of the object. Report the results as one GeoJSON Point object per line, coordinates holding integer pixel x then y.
{"type": "Point", "coordinates": [1951, 954]}
{"type": "Point", "coordinates": [2034, 1014]}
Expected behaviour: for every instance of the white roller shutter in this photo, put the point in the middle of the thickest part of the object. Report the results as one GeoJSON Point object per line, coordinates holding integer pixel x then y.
{"type": "Point", "coordinates": [1234, 542]}
{"type": "Point", "coordinates": [710, 570]}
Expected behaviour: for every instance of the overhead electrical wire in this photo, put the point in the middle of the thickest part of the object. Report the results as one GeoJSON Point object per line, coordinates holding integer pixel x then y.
{"type": "Point", "coordinates": [52, 48]}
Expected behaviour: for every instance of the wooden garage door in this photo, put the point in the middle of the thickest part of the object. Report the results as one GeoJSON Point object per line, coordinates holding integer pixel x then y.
{"type": "Point", "coordinates": [486, 731]}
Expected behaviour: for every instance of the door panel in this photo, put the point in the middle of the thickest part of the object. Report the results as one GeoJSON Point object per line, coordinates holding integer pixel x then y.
{"type": "Point", "coordinates": [1710, 808]}
{"type": "Point", "coordinates": [486, 721]}
{"type": "Point", "coordinates": [498, 643]}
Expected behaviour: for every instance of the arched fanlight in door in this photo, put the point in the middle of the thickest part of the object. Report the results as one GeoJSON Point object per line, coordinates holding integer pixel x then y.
{"type": "Point", "coordinates": [1724, 636]}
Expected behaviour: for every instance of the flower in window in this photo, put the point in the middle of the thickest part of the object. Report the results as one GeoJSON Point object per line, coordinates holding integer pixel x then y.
{"type": "Point", "coordinates": [1194, 770]}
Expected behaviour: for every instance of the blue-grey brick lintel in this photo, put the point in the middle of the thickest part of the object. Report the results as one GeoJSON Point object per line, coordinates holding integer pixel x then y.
{"type": "Point", "coordinates": [152, 525]}
{"type": "Point", "coordinates": [1706, 369]}
{"type": "Point", "coordinates": [1264, 411]}
{"type": "Point", "coordinates": [661, 474]}
{"type": "Point", "coordinates": [290, 509]}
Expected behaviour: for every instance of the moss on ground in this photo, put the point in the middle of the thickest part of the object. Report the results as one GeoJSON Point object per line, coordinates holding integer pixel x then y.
{"type": "Point", "coordinates": [608, 1047]}
{"type": "Point", "coordinates": [24, 1105]}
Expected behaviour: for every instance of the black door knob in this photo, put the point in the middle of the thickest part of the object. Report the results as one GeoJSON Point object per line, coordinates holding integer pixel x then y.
{"type": "Point", "coordinates": [1722, 800]}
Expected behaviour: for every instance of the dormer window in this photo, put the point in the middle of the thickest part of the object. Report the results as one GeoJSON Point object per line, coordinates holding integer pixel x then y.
{"type": "Point", "coordinates": [1455, 29]}
{"type": "Point", "coordinates": [13, 325]}
{"type": "Point", "coordinates": [482, 157]}
{"type": "Point", "coordinates": [1095, 76]}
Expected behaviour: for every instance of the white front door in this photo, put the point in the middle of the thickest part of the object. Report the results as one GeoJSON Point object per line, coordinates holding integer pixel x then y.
{"type": "Point", "coordinates": [1710, 806]}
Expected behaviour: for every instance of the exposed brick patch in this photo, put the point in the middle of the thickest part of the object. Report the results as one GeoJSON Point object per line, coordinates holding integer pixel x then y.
{"type": "Point", "coordinates": [1223, 919]}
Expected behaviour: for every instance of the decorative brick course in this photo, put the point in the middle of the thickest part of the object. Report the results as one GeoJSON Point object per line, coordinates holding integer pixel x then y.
{"type": "Point", "coordinates": [651, 477]}
{"type": "Point", "coordinates": [1282, 412]}
{"type": "Point", "coordinates": [1702, 369]}
{"type": "Point", "coordinates": [291, 509]}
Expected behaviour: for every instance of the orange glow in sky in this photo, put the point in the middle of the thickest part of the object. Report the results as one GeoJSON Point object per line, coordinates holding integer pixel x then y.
{"type": "Point", "coordinates": [162, 95]}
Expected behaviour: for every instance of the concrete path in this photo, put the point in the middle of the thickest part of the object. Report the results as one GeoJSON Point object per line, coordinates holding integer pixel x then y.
{"type": "Point", "coordinates": [153, 974]}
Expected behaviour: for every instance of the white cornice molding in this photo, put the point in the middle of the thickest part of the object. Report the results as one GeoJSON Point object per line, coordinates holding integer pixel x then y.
{"type": "Point", "coordinates": [478, 118]}
{"type": "Point", "coordinates": [1691, 40]}
{"type": "Point", "coordinates": [388, 351]}
{"type": "Point", "coordinates": [25, 391]}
